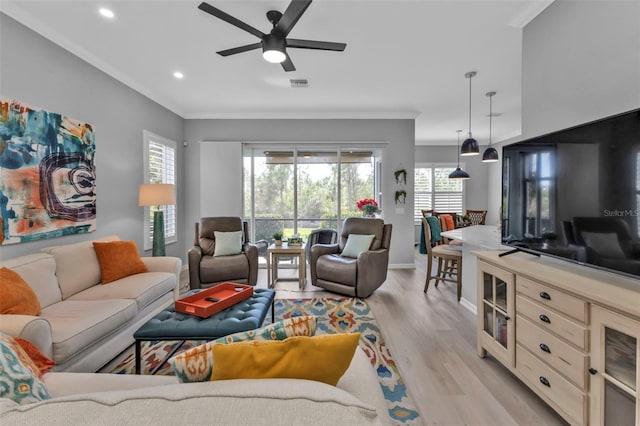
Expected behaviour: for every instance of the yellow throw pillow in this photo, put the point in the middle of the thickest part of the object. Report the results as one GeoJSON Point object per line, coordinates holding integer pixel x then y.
{"type": "Point", "coordinates": [118, 259]}
{"type": "Point", "coordinates": [322, 358]}
{"type": "Point", "coordinates": [17, 297]}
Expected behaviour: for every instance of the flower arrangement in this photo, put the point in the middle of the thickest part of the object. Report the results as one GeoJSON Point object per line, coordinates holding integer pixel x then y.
{"type": "Point", "coordinates": [368, 206]}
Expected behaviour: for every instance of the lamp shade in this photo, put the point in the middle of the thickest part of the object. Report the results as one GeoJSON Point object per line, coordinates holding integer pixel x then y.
{"type": "Point", "coordinates": [490, 155]}
{"type": "Point", "coordinates": [470, 147]}
{"type": "Point", "coordinates": [458, 173]}
{"type": "Point", "coordinates": [156, 194]}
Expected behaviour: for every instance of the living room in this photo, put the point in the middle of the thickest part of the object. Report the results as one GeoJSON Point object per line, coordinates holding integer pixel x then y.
{"type": "Point", "coordinates": [580, 63]}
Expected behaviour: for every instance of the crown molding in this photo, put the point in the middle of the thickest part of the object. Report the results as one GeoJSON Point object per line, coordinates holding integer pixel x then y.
{"type": "Point", "coordinates": [14, 11]}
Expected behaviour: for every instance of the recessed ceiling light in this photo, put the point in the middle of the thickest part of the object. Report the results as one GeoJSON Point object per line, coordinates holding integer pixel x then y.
{"type": "Point", "coordinates": [178, 75]}
{"type": "Point", "coordinates": [106, 13]}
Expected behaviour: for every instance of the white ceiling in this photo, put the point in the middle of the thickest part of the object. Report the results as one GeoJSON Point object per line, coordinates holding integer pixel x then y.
{"type": "Point", "coordinates": [404, 59]}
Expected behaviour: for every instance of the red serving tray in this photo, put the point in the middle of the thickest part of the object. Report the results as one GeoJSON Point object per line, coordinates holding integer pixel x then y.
{"type": "Point", "coordinates": [228, 293]}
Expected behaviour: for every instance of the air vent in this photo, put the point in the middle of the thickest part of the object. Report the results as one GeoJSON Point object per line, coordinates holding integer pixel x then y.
{"type": "Point", "coordinates": [299, 83]}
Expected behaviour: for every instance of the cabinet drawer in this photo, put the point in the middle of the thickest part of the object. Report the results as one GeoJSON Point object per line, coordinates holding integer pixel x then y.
{"type": "Point", "coordinates": [568, 361]}
{"type": "Point", "coordinates": [553, 321]}
{"type": "Point", "coordinates": [559, 391]}
{"type": "Point", "coordinates": [556, 299]}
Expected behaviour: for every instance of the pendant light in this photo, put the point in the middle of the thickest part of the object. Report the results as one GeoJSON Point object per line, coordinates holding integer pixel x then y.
{"type": "Point", "coordinates": [470, 145]}
{"type": "Point", "coordinates": [490, 155]}
{"type": "Point", "coordinates": [458, 173]}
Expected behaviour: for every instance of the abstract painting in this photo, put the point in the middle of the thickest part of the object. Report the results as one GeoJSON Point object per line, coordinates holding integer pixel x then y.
{"type": "Point", "coordinates": [47, 174]}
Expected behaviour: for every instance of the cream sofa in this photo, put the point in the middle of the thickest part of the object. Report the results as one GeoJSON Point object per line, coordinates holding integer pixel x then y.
{"type": "Point", "coordinates": [85, 399]}
{"type": "Point", "coordinates": [84, 324]}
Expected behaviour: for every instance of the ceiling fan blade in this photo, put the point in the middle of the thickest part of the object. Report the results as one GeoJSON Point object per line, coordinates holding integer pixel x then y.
{"type": "Point", "coordinates": [315, 44]}
{"type": "Point", "coordinates": [206, 7]}
{"type": "Point", "coordinates": [239, 49]}
{"type": "Point", "coordinates": [290, 16]}
{"type": "Point", "coordinates": [287, 65]}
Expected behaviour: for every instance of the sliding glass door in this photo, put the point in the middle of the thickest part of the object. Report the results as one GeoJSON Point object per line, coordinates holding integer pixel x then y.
{"type": "Point", "coordinates": [317, 195]}
{"type": "Point", "coordinates": [299, 189]}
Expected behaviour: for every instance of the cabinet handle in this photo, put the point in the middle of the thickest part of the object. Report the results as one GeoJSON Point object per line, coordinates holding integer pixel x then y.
{"type": "Point", "coordinates": [544, 381]}
{"type": "Point", "coordinates": [593, 371]}
{"type": "Point", "coordinates": [544, 318]}
{"type": "Point", "coordinates": [545, 348]}
{"type": "Point", "coordinates": [544, 295]}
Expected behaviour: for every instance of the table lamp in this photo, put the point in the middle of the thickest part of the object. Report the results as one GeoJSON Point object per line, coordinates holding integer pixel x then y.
{"type": "Point", "coordinates": [157, 194]}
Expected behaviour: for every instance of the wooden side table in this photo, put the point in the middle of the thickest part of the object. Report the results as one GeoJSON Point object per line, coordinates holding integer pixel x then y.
{"type": "Point", "coordinates": [275, 252]}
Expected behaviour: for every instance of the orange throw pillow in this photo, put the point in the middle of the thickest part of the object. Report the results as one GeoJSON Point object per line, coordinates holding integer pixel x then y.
{"type": "Point", "coordinates": [16, 297]}
{"type": "Point", "coordinates": [43, 363]}
{"type": "Point", "coordinates": [448, 219]}
{"type": "Point", "coordinates": [118, 259]}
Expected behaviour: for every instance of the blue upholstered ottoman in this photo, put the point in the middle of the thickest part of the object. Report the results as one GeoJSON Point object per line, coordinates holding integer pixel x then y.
{"type": "Point", "coordinates": [246, 315]}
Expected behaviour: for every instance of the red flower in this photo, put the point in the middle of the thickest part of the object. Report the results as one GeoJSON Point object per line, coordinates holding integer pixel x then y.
{"type": "Point", "coordinates": [360, 204]}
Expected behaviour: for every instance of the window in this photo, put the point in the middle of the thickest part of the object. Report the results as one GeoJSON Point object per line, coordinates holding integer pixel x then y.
{"type": "Point", "coordinates": [538, 185]}
{"type": "Point", "coordinates": [435, 191]}
{"type": "Point", "coordinates": [159, 167]}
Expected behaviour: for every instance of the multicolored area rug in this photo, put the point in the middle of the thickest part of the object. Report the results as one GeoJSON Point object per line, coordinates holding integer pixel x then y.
{"type": "Point", "coordinates": [350, 315]}
{"type": "Point", "coordinates": [335, 315]}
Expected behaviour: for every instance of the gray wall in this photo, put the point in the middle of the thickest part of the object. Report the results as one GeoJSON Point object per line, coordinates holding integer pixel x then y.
{"type": "Point", "coordinates": [39, 73]}
{"type": "Point", "coordinates": [581, 62]}
{"type": "Point", "coordinates": [398, 134]}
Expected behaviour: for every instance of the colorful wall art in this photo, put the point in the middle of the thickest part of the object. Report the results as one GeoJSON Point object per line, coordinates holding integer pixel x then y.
{"type": "Point", "coordinates": [47, 174]}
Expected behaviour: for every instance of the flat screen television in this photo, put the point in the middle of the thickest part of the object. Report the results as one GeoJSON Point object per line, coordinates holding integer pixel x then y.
{"type": "Point", "coordinates": [575, 194]}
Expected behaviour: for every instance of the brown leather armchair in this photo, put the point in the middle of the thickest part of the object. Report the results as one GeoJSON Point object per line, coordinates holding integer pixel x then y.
{"type": "Point", "coordinates": [360, 276]}
{"type": "Point", "coordinates": [206, 270]}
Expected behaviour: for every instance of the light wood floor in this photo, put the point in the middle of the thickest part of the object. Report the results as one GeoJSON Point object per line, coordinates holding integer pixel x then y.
{"type": "Point", "coordinates": [433, 341]}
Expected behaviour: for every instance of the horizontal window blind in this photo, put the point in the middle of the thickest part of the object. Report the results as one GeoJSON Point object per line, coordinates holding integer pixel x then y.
{"type": "Point", "coordinates": [160, 167]}
{"type": "Point", "coordinates": [435, 191]}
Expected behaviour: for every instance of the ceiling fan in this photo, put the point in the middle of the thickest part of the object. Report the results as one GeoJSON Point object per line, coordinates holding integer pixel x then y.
{"type": "Point", "coordinates": [274, 44]}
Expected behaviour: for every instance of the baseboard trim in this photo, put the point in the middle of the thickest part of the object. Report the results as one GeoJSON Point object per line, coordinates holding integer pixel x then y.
{"type": "Point", "coordinates": [469, 306]}
{"type": "Point", "coordinates": [402, 266]}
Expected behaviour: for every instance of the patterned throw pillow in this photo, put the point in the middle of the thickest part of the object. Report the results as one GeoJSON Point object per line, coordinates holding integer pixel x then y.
{"type": "Point", "coordinates": [18, 374]}
{"type": "Point", "coordinates": [196, 364]}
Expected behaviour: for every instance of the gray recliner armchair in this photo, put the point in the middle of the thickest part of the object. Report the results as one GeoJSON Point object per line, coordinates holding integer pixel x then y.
{"type": "Point", "coordinates": [206, 270]}
{"type": "Point", "coordinates": [360, 276]}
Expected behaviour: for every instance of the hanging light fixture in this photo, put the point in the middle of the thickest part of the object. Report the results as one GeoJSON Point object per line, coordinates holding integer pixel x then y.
{"type": "Point", "coordinates": [490, 155]}
{"type": "Point", "coordinates": [470, 145]}
{"type": "Point", "coordinates": [458, 173]}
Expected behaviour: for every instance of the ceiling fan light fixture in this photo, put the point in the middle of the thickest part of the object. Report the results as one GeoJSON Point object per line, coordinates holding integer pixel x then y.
{"type": "Point", "coordinates": [275, 43]}
{"type": "Point", "coordinates": [274, 56]}
{"type": "Point", "coordinates": [273, 49]}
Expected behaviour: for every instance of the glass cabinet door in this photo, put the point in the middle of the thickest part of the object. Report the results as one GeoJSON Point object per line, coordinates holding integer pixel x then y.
{"type": "Point", "coordinates": [614, 370]}
{"type": "Point", "coordinates": [496, 313]}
